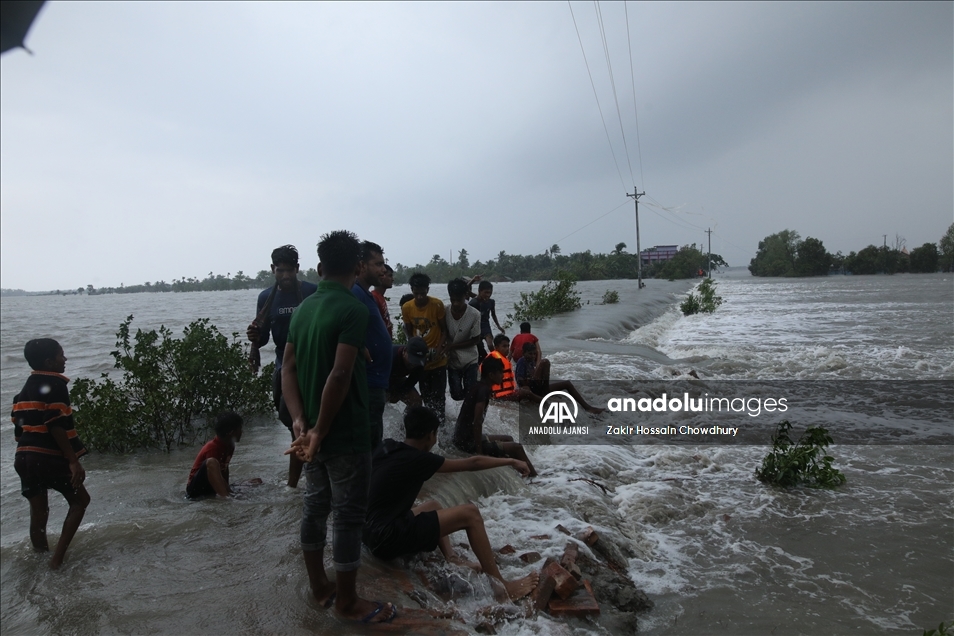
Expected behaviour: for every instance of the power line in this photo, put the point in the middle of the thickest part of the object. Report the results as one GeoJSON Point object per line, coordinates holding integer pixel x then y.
{"type": "Point", "coordinates": [591, 222]}
{"type": "Point", "coordinates": [632, 77]}
{"type": "Point", "coordinates": [593, 84]}
{"type": "Point", "coordinates": [609, 69]}
{"type": "Point", "coordinates": [675, 220]}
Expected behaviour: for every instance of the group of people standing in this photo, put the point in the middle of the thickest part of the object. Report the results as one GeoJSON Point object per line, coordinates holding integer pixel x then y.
{"type": "Point", "coordinates": [336, 369]}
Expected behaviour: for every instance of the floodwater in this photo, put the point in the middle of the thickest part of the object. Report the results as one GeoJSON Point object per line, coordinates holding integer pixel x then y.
{"type": "Point", "coordinates": [717, 551]}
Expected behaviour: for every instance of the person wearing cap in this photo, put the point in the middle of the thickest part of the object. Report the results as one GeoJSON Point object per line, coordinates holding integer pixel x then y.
{"type": "Point", "coordinates": [407, 367]}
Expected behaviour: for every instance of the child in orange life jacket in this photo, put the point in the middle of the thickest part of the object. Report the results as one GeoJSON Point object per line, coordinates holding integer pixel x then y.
{"type": "Point", "coordinates": [48, 449]}
{"type": "Point", "coordinates": [507, 388]}
{"type": "Point", "coordinates": [468, 434]}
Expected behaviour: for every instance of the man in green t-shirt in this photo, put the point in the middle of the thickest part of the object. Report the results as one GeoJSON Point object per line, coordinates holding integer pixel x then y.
{"type": "Point", "coordinates": [325, 388]}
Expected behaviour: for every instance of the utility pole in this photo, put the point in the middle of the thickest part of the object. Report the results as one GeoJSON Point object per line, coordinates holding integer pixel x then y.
{"type": "Point", "coordinates": [639, 257]}
{"type": "Point", "coordinates": [884, 254]}
{"type": "Point", "coordinates": [709, 232]}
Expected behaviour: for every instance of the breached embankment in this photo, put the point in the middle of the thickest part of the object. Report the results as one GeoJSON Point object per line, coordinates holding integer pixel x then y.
{"type": "Point", "coordinates": [606, 327]}
{"type": "Point", "coordinates": [530, 524]}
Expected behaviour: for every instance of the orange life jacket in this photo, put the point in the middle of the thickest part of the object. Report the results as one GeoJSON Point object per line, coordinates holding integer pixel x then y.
{"type": "Point", "coordinates": [508, 385]}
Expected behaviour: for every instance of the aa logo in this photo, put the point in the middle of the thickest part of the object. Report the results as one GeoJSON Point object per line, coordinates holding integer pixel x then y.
{"type": "Point", "coordinates": [557, 411]}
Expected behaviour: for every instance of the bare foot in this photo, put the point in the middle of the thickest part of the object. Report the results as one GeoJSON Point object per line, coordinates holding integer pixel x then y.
{"type": "Point", "coordinates": [326, 595]}
{"type": "Point", "coordinates": [521, 587]}
{"type": "Point", "coordinates": [371, 612]}
{"type": "Point", "coordinates": [56, 562]}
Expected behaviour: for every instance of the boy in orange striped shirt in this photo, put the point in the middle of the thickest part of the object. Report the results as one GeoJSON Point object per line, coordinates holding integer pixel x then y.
{"type": "Point", "coordinates": [48, 449]}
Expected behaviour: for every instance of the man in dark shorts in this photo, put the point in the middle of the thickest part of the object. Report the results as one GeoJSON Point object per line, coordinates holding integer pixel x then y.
{"type": "Point", "coordinates": [273, 315]}
{"type": "Point", "coordinates": [468, 434]}
{"type": "Point", "coordinates": [395, 527]}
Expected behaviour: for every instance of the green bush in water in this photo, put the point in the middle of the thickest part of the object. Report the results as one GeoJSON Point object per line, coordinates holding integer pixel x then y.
{"type": "Point", "coordinates": [705, 302]}
{"type": "Point", "coordinates": [611, 297]}
{"type": "Point", "coordinates": [944, 629]}
{"type": "Point", "coordinates": [797, 464]}
{"type": "Point", "coordinates": [166, 384]}
{"type": "Point", "coordinates": [554, 297]}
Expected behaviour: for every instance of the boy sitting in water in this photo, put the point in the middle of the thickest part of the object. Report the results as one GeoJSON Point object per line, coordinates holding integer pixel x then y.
{"type": "Point", "coordinates": [536, 377]}
{"type": "Point", "coordinates": [210, 471]}
{"type": "Point", "coordinates": [48, 449]}
{"type": "Point", "coordinates": [468, 435]}
{"type": "Point", "coordinates": [395, 527]}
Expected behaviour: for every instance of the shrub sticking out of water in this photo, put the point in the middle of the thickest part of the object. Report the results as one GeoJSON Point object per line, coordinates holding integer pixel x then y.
{"type": "Point", "coordinates": [166, 384]}
{"type": "Point", "coordinates": [611, 297]}
{"type": "Point", "coordinates": [706, 301]}
{"type": "Point", "coordinates": [944, 629]}
{"type": "Point", "coordinates": [798, 464]}
{"type": "Point", "coordinates": [554, 297]}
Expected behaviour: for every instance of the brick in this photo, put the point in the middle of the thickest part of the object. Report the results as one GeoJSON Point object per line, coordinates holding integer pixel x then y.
{"type": "Point", "coordinates": [563, 530]}
{"type": "Point", "coordinates": [565, 583]}
{"type": "Point", "coordinates": [544, 590]}
{"type": "Point", "coordinates": [574, 569]}
{"type": "Point", "coordinates": [570, 553]}
{"type": "Point", "coordinates": [530, 557]}
{"type": "Point", "coordinates": [588, 536]}
{"type": "Point", "coordinates": [507, 549]}
{"type": "Point", "coordinates": [589, 588]}
{"type": "Point", "coordinates": [581, 603]}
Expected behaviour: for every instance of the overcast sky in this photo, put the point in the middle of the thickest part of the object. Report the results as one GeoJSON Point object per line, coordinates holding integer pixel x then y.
{"type": "Point", "coordinates": [147, 141]}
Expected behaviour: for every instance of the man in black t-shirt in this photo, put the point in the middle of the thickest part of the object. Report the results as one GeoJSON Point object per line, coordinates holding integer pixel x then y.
{"type": "Point", "coordinates": [395, 527]}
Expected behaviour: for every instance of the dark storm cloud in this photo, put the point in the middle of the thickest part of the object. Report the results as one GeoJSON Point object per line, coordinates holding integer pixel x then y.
{"type": "Point", "coordinates": [180, 139]}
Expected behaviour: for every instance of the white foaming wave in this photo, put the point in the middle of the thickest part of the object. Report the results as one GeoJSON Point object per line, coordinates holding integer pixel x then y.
{"type": "Point", "coordinates": [587, 365]}
{"type": "Point", "coordinates": [656, 332]}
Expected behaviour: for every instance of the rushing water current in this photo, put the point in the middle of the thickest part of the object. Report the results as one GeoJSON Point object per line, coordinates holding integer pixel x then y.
{"type": "Point", "coordinates": [717, 551]}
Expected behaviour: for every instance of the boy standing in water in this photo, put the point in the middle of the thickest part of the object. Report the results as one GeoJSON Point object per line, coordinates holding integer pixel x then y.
{"type": "Point", "coordinates": [516, 345]}
{"type": "Point", "coordinates": [48, 449]}
{"type": "Point", "coordinates": [273, 315]}
{"type": "Point", "coordinates": [487, 307]}
{"type": "Point", "coordinates": [424, 316]}
{"type": "Point", "coordinates": [210, 470]}
{"type": "Point", "coordinates": [463, 334]}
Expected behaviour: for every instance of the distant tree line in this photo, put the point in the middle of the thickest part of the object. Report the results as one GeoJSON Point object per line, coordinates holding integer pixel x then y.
{"type": "Point", "coordinates": [785, 254]}
{"type": "Point", "coordinates": [552, 264]}
{"type": "Point", "coordinates": [212, 282]}
{"type": "Point", "coordinates": [549, 265]}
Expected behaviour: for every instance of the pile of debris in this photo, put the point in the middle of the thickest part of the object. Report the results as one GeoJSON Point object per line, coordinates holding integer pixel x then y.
{"type": "Point", "coordinates": [572, 587]}
{"type": "Point", "coordinates": [564, 591]}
